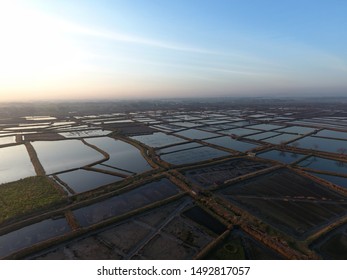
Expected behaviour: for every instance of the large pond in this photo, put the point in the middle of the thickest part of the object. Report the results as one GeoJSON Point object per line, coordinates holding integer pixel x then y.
{"type": "Point", "coordinates": [282, 138]}
{"type": "Point", "coordinates": [281, 156]}
{"type": "Point", "coordinates": [131, 200]}
{"type": "Point", "coordinates": [178, 148]}
{"type": "Point", "coordinates": [196, 134]}
{"type": "Point", "coordinates": [7, 140]}
{"type": "Point", "coordinates": [323, 164]}
{"type": "Point", "coordinates": [85, 133]}
{"type": "Point", "coordinates": [57, 156]}
{"type": "Point", "coordinates": [239, 131]}
{"type": "Point", "coordinates": [193, 155]}
{"type": "Point", "coordinates": [228, 142]}
{"type": "Point", "coordinates": [337, 180]}
{"type": "Point", "coordinates": [158, 139]}
{"type": "Point", "coordinates": [263, 135]}
{"type": "Point", "coordinates": [265, 126]}
{"type": "Point", "coordinates": [32, 234]}
{"type": "Point", "coordinates": [297, 129]}
{"type": "Point", "coordinates": [332, 134]}
{"type": "Point", "coordinates": [84, 180]}
{"type": "Point", "coordinates": [15, 164]}
{"type": "Point", "coordinates": [322, 144]}
{"type": "Point", "coordinates": [122, 154]}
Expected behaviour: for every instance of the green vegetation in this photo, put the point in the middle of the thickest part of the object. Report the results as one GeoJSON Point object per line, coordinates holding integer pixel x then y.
{"type": "Point", "coordinates": [27, 195]}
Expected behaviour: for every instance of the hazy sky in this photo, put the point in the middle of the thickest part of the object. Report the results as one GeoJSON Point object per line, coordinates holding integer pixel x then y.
{"type": "Point", "coordinates": [165, 48]}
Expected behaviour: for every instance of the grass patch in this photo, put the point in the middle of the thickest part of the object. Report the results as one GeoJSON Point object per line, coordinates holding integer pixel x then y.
{"type": "Point", "coordinates": [27, 195]}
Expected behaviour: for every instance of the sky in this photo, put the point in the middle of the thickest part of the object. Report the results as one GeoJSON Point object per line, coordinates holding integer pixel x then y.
{"type": "Point", "coordinates": [129, 49]}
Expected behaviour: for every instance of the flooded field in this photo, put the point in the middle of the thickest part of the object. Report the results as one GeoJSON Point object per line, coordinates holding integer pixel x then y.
{"type": "Point", "coordinates": [177, 148]}
{"type": "Point", "coordinates": [57, 156]}
{"type": "Point", "coordinates": [322, 164]}
{"type": "Point", "coordinates": [85, 133]}
{"type": "Point", "coordinates": [158, 139]}
{"type": "Point", "coordinates": [32, 234]}
{"type": "Point", "coordinates": [322, 144]}
{"type": "Point", "coordinates": [332, 134]}
{"type": "Point", "coordinates": [193, 155]}
{"type": "Point", "coordinates": [262, 135]}
{"type": "Point", "coordinates": [297, 129]}
{"type": "Point", "coordinates": [289, 202]}
{"type": "Point", "coordinates": [217, 174]}
{"type": "Point", "coordinates": [333, 246]}
{"type": "Point", "coordinates": [337, 180]}
{"type": "Point", "coordinates": [84, 180]}
{"type": "Point", "coordinates": [196, 134]}
{"type": "Point", "coordinates": [15, 164]}
{"type": "Point", "coordinates": [281, 156]}
{"type": "Point", "coordinates": [7, 140]}
{"type": "Point", "coordinates": [265, 126]}
{"type": "Point", "coordinates": [229, 143]}
{"type": "Point", "coordinates": [282, 138]}
{"type": "Point", "coordinates": [122, 155]}
{"type": "Point", "coordinates": [241, 246]}
{"type": "Point", "coordinates": [162, 233]}
{"type": "Point", "coordinates": [125, 202]}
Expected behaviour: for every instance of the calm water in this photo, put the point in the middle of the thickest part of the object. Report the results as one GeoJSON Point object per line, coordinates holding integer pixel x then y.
{"type": "Point", "coordinates": [7, 140]}
{"type": "Point", "coordinates": [158, 139]}
{"type": "Point", "coordinates": [281, 138]}
{"type": "Point", "coordinates": [85, 180]}
{"type": "Point", "coordinates": [322, 144]}
{"type": "Point", "coordinates": [240, 131]}
{"type": "Point", "coordinates": [233, 144]}
{"type": "Point", "coordinates": [205, 219]}
{"type": "Point", "coordinates": [263, 135]}
{"type": "Point", "coordinates": [57, 156]}
{"type": "Point", "coordinates": [323, 164]}
{"type": "Point", "coordinates": [332, 134]}
{"type": "Point", "coordinates": [193, 155]}
{"type": "Point", "coordinates": [178, 148]}
{"type": "Point", "coordinates": [118, 205]}
{"type": "Point", "coordinates": [122, 154]}
{"type": "Point", "coordinates": [297, 129]}
{"type": "Point", "coordinates": [85, 133]}
{"type": "Point", "coordinates": [284, 157]}
{"type": "Point", "coordinates": [196, 134]}
{"type": "Point", "coordinates": [265, 126]}
{"type": "Point", "coordinates": [32, 234]}
{"type": "Point", "coordinates": [340, 181]}
{"type": "Point", "coordinates": [15, 164]}
{"type": "Point", "coordinates": [112, 169]}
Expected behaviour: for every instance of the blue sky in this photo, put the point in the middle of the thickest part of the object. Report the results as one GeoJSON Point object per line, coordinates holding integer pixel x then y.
{"type": "Point", "coordinates": [159, 48]}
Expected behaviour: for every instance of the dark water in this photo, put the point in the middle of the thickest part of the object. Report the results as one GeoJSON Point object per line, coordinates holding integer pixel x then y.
{"type": "Point", "coordinates": [340, 181]}
{"type": "Point", "coordinates": [228, 142]}
{"type": "Point", "coordinates": [84, 180]}
{"type": "Point", "coordinates": [203, 218]}
{"type": "Point", "coordinates": [117, 205]}
{"type": "Point", "coordinates": [122, 155]}
{"type": "Point", "coordinates": [193, 155]}
{"type": "Point", "coordinates": [323, 164]}
{"type": "Point", "coordinates": [32, 234]}
{"type": "Point", "coordinates": [284, 157]}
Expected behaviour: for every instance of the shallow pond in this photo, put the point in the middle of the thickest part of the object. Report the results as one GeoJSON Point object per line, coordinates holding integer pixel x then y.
{"type": "Point", "coordinates": [332, 134]}
{"type": "Point", "coordinates": [7, 140]}
{"type": "Point", "coordinates": [265, 126]}
{"type": "Point", "coordinates": [158, 139]}
{"type": "Point", "coordinates": [122, 154]}
{"type": "Point", "coordinates": [85, 133]}
{"type": "Point", "coordinates": [57, 156]}
{"type": "Point", "coordinates": [297, 129]}
{"type": "Point", "coordinates": [239, 131]}
{"type": "Point", "coordinates": [125, 202]}
{"type": "Point", "coordinates": [85, 180]}
{"type": "Point", "coordinates": [193, 155]}
{"type": "Point", "coordinates": [281, 156]}
{"type": "Point", "coordinates": [337, 180]}
{"type": "Point", "coordinates": [322, 144]}
{"type": "Point", "coordinates": [228, 142]}
{"type": "Point", "coordinates": [196, 134]}
{"type": "Point", "coordinates": [282, 138]}
{"type": "Point", "coordinates": [32, 234]}
{"type": "Point", "coordinates": [15, 164]}
{"type": "Point", "coordinates": [323, 164]}
{"type": "Point", "coordinates": [179, 147]}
